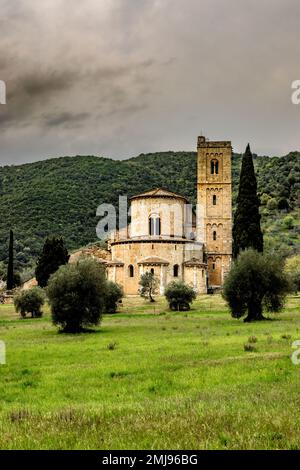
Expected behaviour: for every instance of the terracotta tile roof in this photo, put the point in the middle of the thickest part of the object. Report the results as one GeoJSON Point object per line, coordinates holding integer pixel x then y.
{"type": "Point", "coordinates": [194, 262]}
{"type": "Point", "coordinates": [153, 260]}
{"type": "Point", "coordinates": [115, 262]}
{"type": "Point", "coordinates": [158, 192]}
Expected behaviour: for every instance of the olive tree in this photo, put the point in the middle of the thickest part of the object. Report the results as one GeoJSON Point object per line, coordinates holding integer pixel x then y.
{"type": "Point", "coordinates": [113, 296]}
{"type": "Point", "coordinates": [148, 286]}
{"type": "Point", "coordinates": [255, 283]}
{"type": "Point", "coordinates": [179, 295]}
{"type": "Point", "coordinates": [76, 294]}
{"type": "Point", "coordinates": [30, 301]}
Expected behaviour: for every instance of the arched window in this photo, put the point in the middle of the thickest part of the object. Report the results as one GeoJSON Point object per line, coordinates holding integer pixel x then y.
{"type": "Point", "coordinates": [154, 225]}
{"type": "Point", "coordinates": [214, 167]}
{"type": "Point", "coordinates": [214, 235]}
{"type": "Point", "coordinates": [175, 270]}
{"type": "Point", "coordinates": [131, 270]}
{"type": "Point", "coordinates": [214, 200]}
{"type": "Point", "coordinates": [152, 270]}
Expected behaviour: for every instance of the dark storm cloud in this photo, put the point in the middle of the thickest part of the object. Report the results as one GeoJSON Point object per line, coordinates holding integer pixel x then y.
{"type": "Point", "coordinates": [41, 84]}
{"type": "Point", "coordinates": [120, 77]}
{"type": "Point", "coordinates": [31, 94]}
{"type": "Point", "coordinates": [64, 119]}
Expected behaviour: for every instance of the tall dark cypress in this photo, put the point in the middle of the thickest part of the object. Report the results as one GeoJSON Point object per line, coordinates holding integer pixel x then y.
{"type": "Point", "coordinates": [53, 256]}
{"type": "Point", "coordinates": [10, 267]}
{"type": "Point", "coordinates": [246, 227]}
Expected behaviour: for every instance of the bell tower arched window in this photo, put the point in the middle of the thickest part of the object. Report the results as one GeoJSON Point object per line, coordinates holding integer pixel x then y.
{"type": "Point", "coordinates": [214, 235]}
{"type": "Point", "coordinates": [214, 200]}
{"type": "Point", "coordinates": [214, 167]}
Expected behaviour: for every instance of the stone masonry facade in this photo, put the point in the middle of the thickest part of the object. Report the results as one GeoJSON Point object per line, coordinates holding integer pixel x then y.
{"type": "Point", "coordinates": [170, 240]}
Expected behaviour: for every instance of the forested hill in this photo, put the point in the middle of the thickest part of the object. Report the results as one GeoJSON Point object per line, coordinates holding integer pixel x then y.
{"type": "Point", "coordinates": [60, 196]}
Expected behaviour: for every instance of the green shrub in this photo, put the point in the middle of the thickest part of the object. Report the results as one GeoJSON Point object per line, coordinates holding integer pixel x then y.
{"type": "Point", "coordinates": [285, 336]}
{"type": "Point", "coordinates": [179, 296]}
{"type": "Point", "coordinates": [76, 295]}
{"type": "Point", "coordinates": [252, 339]}
{"type": "Point", "coordinates": [288, 222]}
{"type": "Point", "coordinates": [272, 204]}
{"type": "Point", "coordinates": [113, 295]}
{"type": "Point", "coordinates": [30, 301]}
{"type": "Point", "coordinates": [264, 199]}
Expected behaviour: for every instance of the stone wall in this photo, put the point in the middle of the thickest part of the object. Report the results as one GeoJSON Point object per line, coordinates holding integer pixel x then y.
{"type": "Point", "coordinates": [161, 256]}
{"type": "Point", "coordinates": [171, 212]}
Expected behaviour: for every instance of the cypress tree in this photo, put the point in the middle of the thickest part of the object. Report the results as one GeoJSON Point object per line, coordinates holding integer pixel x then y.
{"type": "Point", "coordinates": [246, 227]}
{"type": "Point", "coordinates": [53, 256]}
{"type": "Point", "coordinates": [10, 267]}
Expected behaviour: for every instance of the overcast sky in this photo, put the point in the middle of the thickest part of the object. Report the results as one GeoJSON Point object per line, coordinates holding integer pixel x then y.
{"type": "Point", "coordinates": [120, 77]}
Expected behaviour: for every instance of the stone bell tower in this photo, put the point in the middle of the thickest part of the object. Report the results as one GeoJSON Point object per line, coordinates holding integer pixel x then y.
{"type": "Point", "coordinates": [214, 189]}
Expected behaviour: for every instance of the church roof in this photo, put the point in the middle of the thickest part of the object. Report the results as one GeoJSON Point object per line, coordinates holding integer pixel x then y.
{"type": "Point", "coordinates": [153, 260]}
{"type": "Point", "coordinates": [194, 262]}
{"type": "Point", "coordinates": [115, 262]}
{"type": "Point", "coordinates": [158, 192]}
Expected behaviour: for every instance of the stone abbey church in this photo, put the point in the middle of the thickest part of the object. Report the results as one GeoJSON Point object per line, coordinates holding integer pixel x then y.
{"type": "Point", "coordinates": [159, 238]}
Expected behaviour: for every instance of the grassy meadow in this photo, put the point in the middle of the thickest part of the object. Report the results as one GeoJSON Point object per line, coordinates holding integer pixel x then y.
{"type": "Point", "coordinates": [148, 378]}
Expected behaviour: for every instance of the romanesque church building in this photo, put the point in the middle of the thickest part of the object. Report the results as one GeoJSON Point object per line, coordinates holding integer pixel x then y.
{"type": "Point", "coordinates": [174, 242]}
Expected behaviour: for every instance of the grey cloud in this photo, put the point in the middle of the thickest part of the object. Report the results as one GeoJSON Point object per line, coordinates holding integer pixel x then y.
{"type": "Point", "coordinates": [120, 77]}
{"type": "Point", "coordinates": [47, 83]}
{"type": "Point", "coordinates": [30, 95]}
{"type": "Point", "coordinates": [129, 109]}
{"type": "Point", "coordinates": [64, 119]}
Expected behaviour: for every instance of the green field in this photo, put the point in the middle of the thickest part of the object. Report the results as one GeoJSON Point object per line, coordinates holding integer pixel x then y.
{"type": "Point", "coordinates": [168, 381]}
